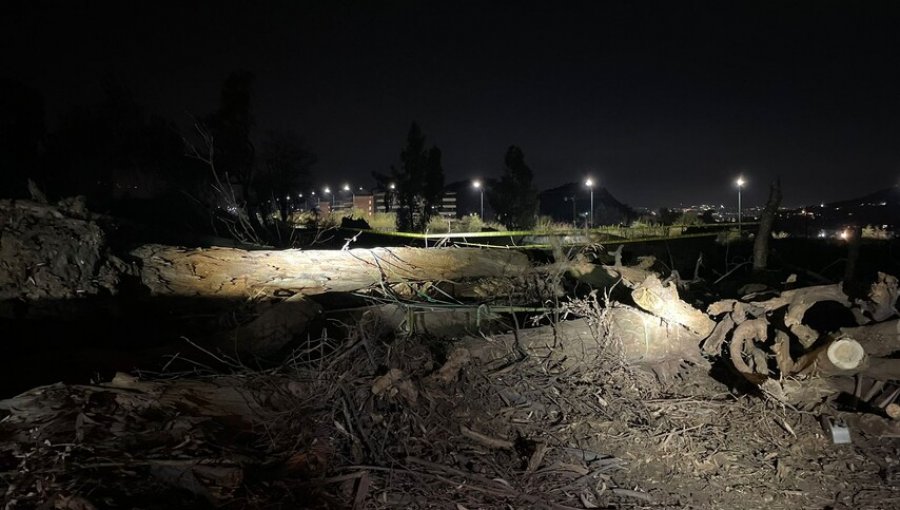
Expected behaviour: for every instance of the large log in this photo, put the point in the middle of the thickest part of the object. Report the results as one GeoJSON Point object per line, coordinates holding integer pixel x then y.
{"type": "Point", "coordinates": [622, 335]}
{"type": "Point", "coordinates": [881, 339]}
{"type": "Point", "coordinates": [662, 300]}
{"type": "Point", "coordinates": [235, 274]}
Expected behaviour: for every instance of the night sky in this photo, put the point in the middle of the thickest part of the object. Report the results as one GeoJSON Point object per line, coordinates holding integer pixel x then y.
{"type": "Point", "coordinates": [664, 103]}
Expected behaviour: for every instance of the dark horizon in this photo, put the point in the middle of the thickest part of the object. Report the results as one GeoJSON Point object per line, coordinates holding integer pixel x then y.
{"type": "Point", "coordinates": [662, 104]}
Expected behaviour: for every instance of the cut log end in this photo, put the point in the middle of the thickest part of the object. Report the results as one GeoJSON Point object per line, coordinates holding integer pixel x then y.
{"type": "Point", "coordinates": [846, 354]}
{"type": "Point", "coordinates": [893, 411]}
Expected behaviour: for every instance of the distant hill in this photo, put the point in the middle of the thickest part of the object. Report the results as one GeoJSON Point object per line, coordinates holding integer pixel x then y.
{"type": "Point", "coordinates": [879, 208]}
{"type": "Point", "coordinates": [558, 204]}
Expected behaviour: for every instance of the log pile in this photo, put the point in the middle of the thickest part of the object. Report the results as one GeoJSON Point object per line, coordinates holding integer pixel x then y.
{"type": "Point", "coordinates": [363, 397]}
{"type": "Point", "coordinates": [805, 363]}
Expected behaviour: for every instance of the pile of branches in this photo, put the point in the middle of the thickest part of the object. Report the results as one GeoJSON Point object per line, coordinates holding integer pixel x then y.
{"type": "Point", "coordinates": [367, 422]}
{"type": "Point", "coordinates": [766, 340]}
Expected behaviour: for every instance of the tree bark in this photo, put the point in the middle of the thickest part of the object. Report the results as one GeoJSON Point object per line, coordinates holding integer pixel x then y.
{"type": "Point", "coordinates": [623, 335]}
{"type": "Point", "coordinates": [238, 274]}
{"type": "Point", "coordinates": [761, 243]}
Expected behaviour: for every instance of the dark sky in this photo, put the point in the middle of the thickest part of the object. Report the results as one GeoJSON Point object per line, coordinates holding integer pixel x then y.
{"type": "Point", "coordinates": [664, 103]}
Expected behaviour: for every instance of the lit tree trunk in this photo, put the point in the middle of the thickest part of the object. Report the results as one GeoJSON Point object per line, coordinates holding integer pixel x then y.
{"type": "Point", "coordinates": [761, 244]}
{"type": "Point", "coordinates": [237, 274]}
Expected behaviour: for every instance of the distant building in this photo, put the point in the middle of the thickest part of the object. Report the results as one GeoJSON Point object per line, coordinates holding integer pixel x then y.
{"type": "Point", "coordinates": [364, 202]}
{"type": "Point", "coordinates": [385, 200]}
{"type": "Point", "coordinates": [468, 199]}
{"type": "Point", "coordinates": [448, 205]}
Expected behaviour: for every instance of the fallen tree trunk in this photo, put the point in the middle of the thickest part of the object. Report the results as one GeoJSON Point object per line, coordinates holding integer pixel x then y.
{"type": "Point", "coordinates": [622, 335]}
{"type": "Point", "coordinates": [881, 339]}
{"type": "Point", "coordinates": [233, 273]}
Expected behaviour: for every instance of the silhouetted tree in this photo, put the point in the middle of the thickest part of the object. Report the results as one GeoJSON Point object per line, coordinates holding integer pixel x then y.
{"type": "Point", "coordinates": [242, 181]}
{"type": "Point", "coordinates": [513, 196]}
{"type": "Point", "coordinates": [687, 218]}
{"type": "Point", "coordinates": [419, 182]}
{"type": "Point", "coordinates": [667, 216]}
{"type": "Point", "coordinates": [113, 149]}
{"type": "Point", "coordinates": [383, 182]}
{"type": "Point", "coordinates": [231, 126]}
{"type": "Point", "coordinates": [285, 169]}
{"type": "Point", "coordinates": [766, 222]}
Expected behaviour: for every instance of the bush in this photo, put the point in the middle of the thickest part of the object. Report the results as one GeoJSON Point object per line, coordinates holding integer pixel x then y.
{"type": "Point", "coordinates": [470, 223]}
{"type": "Point", "coordinates": [688, 218]}
{"type": "Point", "coordinates": [493, 226]}
{"type": "Point", "coordinates": [438, 225]}
{"type": "Point", "coordinates": [546, 224]}
{"type": "Point", "coordinates": [384, 221]}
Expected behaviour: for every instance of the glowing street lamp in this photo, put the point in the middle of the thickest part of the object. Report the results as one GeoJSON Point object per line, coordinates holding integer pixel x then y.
{"type": "Point", "coordinates": [590, 184]}
{"type": "Point", "coordinates": [352, 194]}
{"type": "Point", "coordinates": [327, 191]}
{"type": "Point", "coordinates": [740, 184]}
{"type": "Point", "coordinates": [477, 185]}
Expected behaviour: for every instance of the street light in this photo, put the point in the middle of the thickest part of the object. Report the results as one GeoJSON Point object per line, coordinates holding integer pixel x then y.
{"type": "Point", "coordinates": [327, 191]}
{"type": "Point", "coordinates": [352, 194]}
{"type": "Point", "coordinates": [590, 184]}
{"type": "Point", "coordinates": [740, 184]}
{"type": "Point", "coordinates": [477, 185]}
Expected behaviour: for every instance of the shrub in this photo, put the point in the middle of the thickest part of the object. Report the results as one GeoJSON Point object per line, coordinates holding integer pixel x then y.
{"type": "Point", "coordinates": [384, 221]}
{"type": "Point", "coordinates": [438, 225]}
{"type": "Point", "coordinates": [470, 223]}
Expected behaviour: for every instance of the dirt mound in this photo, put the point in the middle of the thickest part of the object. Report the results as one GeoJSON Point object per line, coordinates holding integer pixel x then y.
{"type": "Point", "coordinates": [53, 253]}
